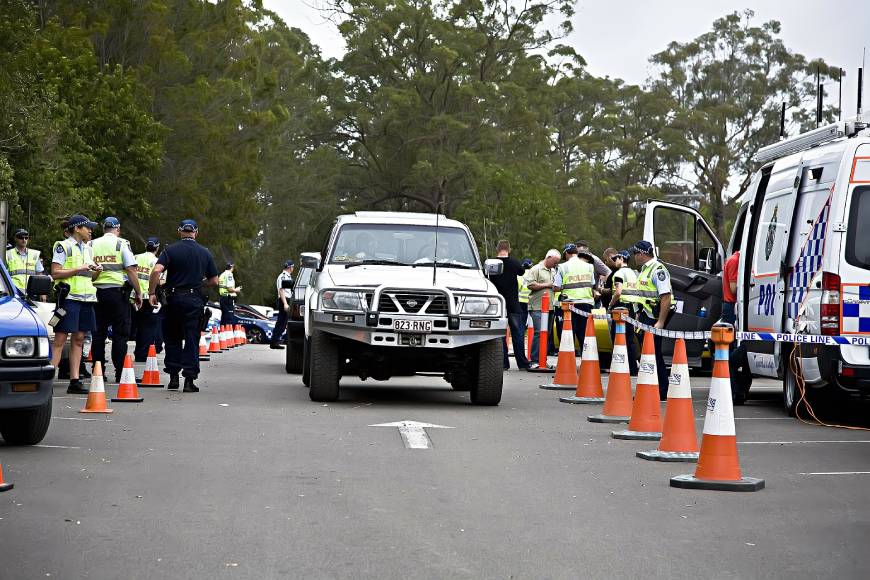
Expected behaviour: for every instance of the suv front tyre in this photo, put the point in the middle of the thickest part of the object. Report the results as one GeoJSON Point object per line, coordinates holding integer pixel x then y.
{"type": "Point", "coordinates": [25, 427]}
{"type": "Point", "coordinates": [324, 367]}
{"type": "Point", "coordinates": [486, 390]}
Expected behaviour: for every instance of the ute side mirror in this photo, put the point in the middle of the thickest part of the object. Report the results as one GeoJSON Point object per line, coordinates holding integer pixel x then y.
{"type": "Point", "coordinates": [493, 267]}
{"type": "Point", "coordinates": [38, 285]}
{"type": "Point", "coordinates": [311, 260]}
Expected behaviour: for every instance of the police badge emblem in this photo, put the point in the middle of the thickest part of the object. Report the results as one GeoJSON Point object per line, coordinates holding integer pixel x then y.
{"type": "Point", "coordinates": [662, 275]}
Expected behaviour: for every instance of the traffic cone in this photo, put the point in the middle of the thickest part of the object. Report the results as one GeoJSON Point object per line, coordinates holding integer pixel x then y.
{"type": "Point", "coordinates": [507, 342]}
{"type": "Point", "coordinates": [128, 391]}
{"type": "Point", "coordinates": [589, 389]}
{"type": "Point", "coordinates": [679, 439]}
{"type": "Point", "coordinates": [151, 376]}
{"type": "Point", "coordinates": [543, 335]}
{"type": "Point", "coordinates": [96, 402]}
{"type": "Point", "coordinates": [565, 378]}
{"type": "Point", "coordinates": [222, 337]}
{"type": "Point", "coordinates": [214, 346]}
{"type": "Point", "coordinates": [617, 403]}
{"type": "Point", "coordinates": [234, 336]}
{"type": "Point", "coordinates": [3, 485]}
{"type": "Point", "coordinates": [203, 347]}
{"type": "Point", "coordinates": [240, 335]}
{"type": "Point", "coordinates": [718, 464]}
{"type": "Point", "coordinates": [530, 336]}
{"type": "Point", "coordinates": [243, 334]}
{"type": "Point", "coordinates": [646, 413]}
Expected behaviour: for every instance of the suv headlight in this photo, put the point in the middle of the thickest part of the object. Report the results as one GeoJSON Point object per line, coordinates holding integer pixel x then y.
{"type": "Point", "coordinates": [337, 300]}
{"type": "Point", "coordinates": [19, 347]}
{"type": "Point", "coordinates": [480, 306]}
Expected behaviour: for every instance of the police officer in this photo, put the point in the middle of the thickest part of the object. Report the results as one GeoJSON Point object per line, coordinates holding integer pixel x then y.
{"type": "Point", "coordinates": [523, 291]}
{"type": "Point", "coordinates": [113, 307]}
{"type": "Point", "coordinates": [228, 291]}
{"type": "Point", "coordinates": [655, 301]}
{"type": "Point", "coordinates": [73, 264]}
{"type": "Point", "coordinates": [147, 318]}
{"type": "Point", "coordinates": [574, 282]}
{"type": "Point", "coordinates": [188, 268]}
{"type": "Point", "coordinates": [281, 304]}
{"type": "Point", "coordinates": [623, 282]}
{"type": "Point", "coordinates": [22, 261]}
{"type": "Point", "coordinates": [539, 279]}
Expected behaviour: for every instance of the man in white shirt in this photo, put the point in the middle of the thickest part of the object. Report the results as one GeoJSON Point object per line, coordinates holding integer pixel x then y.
{"type": "Point", "coordinates": [285, 296]}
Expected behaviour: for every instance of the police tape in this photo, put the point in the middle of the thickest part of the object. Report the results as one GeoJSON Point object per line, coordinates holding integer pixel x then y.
{"type": "Point", "coordinates": [738, 336]}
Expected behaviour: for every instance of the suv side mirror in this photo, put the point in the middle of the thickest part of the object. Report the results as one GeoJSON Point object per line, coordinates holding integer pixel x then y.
{"type": "Point", "coordinates": [310, 261]}
{"type": "Point", "coordinates": [493, 267]}
{"type": "Point", "coordinates": [38, 285]}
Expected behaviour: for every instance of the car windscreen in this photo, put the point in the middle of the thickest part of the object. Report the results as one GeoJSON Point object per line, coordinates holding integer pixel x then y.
{"type": "Point", "coordinates": [858, 237]}
{"type": "Point", "coordinates": [403, 245]}
{"type": "Point", "coordinates": [5, 288]}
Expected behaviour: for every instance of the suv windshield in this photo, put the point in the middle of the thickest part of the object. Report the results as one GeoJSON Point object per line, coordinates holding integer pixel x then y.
{"type": "Point", "coordinates": [403, 245]}
{"type": "Point", "coordinates": [858, 238]}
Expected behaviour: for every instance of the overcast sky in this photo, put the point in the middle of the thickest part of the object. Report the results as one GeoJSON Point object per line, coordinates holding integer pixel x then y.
{"type": "Point", "coordinates": [617, 37]}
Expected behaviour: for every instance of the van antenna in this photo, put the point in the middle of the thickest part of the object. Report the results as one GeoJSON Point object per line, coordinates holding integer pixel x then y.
{"type": "Point", "coordinates": [485, 242]}
{"type": "Point", "coordinates": [861, 80]}
{"type": "Point", "coordinates": [840, 105]}
{"type": "Point", "coordinates": [818, 96]}
{"type": "Point", "coordinates": [782, 122]}
{"type": "Point", "coordinates": [435, 252]}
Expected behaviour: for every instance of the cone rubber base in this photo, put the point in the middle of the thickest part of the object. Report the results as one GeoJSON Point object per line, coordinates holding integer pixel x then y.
{"type": "Point", "coordinates": [636, 435]}
{"type": "Point", "coordinates": [581, 400]}
{"type": "Point", "coordinates": [6, 486]}
{"type": "Point", "coordinates": [607, 419]}
{"type": "Point", "coordinates": [144, 386]}
{"type": "Point", "coordinates": [555, 387]}
{"type": "Point", "coordinates": [204, 359]}
{"type": "Point", "coordinates": [670, 456]}
{"type": "Point", "coordinates": [107, 411]}
{"type": "Point", "coordinates": [742, 484]}
{"type": "Point", "coordinates": [117, 400]}
{"type": "Point", "coordinates": [541, 370]}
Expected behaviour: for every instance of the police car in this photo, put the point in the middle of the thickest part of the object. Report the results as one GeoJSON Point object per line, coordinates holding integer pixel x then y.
{"type": "Point", "coordinates": [26, 374]}
{"type": "Point", "coordinates": [804, 268]}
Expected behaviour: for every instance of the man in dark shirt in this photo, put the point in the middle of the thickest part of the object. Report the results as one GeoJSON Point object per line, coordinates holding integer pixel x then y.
{"type": "Point", "coordinates": [507, 285]}
{"type": "Point", "coordinates": [188, 267]}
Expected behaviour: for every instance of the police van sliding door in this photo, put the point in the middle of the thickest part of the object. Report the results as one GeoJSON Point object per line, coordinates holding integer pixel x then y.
{"type": "Point", "coordinates": [768, 246]}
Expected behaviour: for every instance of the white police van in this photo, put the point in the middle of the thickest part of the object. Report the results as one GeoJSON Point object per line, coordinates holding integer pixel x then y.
{"type": "Point", "coordinates": [804, 233]}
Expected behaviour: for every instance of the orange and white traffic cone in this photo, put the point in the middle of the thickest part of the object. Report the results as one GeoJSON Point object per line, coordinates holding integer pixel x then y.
{"type": "Point", "coordinates": [565, 378]}
{"type": "Point", "coordinates": [96, 402]}
{"type": "Point", "coordinates": [507, 342]}
{"type": "Point", "coordinates": [240, 334]}
{"type": "Point", "coordinates": [234, 335]}
{"type": "Point", "coordinates": [718, 464]}
{"type": "Point", "coordinates": [243, 334]}
{"type": "Point", "coordinates": [203, 348]}
{"type": "Point", "coordinates": [222, 336]}
{"type": "Point", "coordinates": [214, 346]}
{"type": "Point", "coordinates": [589, 389]}
{"type": "Point", "coordinates": [530, 336]}
{"type": "Point", "coordinates": [3, 485]}
{"type": "Point", "coordinates": [617, 403]}
{"type": "Point", "coordinates": [543, 335]}
{"type": "Point", "coordinates": [128, 391]}
{"type": "Point", "coordinates": [679, 438]}
{"type": "Point", "coordinates": [151, 375]}
{"type": "Point", "coordinates": [646, 413]}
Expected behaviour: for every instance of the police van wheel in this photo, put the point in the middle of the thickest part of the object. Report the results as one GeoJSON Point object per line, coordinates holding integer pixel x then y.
{"type": "Point", "coordinates": [486, 390]}
{"type": "Point", "coordinates": [306, 361]}
{"type": "Point", "coordinates": [325, 368]}
{"type": "Point", "coordinates": [25, 427]}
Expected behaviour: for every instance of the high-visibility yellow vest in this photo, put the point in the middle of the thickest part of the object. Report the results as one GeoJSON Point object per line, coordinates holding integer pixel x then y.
{"type": "Point", "coordinates": [646, 291]}
{"type": "Point", "coordinates": [81, 287]}
{"type": "Point", "coordinates": [524, 291]}
{"type": "Point", "coordinates": [578, 278]}
{"type": "Point", "coordinates": [107, 253]}
{"type": "Point", "coordinates": [21, 268]}
{"type": "Point", "coordinates": [225, 281]}
{"type": "Point", "coordinates": [629, 286]}
{"type": "Point", "coordinates": [144, 264]}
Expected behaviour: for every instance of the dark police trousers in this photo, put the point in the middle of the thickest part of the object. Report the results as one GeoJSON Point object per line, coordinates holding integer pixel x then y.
{"type": "Point", "coordinates": [281, 323]}
{"type": "Point", "coordinates": [112, 309]}
{"type": "Point", "coordinates": [148, 331]}
{"type": "Point", "coordinates": [228, 310]}
{"type": "Point", "coordinates": [182, 321]}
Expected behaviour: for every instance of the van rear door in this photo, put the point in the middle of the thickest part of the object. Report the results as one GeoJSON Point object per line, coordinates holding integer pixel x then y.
{"type": "Point", "coordinates": [854, 267]}
{"type": "Point", "coordinates": [694, 256]}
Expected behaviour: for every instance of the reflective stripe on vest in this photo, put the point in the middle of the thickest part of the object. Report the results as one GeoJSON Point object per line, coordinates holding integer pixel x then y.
{"type": "Point", "coordinates": [21, 268]}
{"type": "Point", "coordinates": [107, 253]}
{"type": "Point", "coordinates": [81, 287]}
{"type": "Point", "coordinates": [523, 289]}
{"type": "Point", "coordinates": [578, 278]}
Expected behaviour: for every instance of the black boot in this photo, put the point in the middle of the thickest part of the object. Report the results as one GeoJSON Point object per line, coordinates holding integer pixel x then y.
{"type": "Point", "coordinates": [76, 387]}
{"type": "Point", "coordinates": [276, 346]}
{"type": "Point", "coordinates": [173, 383]}
{"type": "Point", "coordinates": [189, 387]}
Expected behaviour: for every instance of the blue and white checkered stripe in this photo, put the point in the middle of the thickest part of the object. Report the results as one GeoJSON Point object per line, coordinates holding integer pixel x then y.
{"type": "Point", "coordinates": [809, 262]}
{"type": "Point", "coordinates": [856, 309]}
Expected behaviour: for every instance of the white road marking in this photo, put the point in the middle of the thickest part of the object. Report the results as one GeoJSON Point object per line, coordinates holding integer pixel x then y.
{"type": "Point", "coordinates": [80, 419]}
{"type": "Point", "coordinates": [413, 433]}
{"type": "Point", "coordinates": [701, 418]}
{"type": "Point", "coordinates": [802, 442]}
{"type": "Point", "coordinates": [56, 447]}
{"type": "Point", "coordinates": [838, 473]}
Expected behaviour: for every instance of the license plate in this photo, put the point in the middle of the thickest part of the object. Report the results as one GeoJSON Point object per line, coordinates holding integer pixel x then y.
{"type": "Point", "coordinates": [404, 325]}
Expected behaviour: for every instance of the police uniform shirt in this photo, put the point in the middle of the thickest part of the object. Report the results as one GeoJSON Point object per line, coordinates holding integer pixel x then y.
{"type": "Point", "coordinates": [662, 280]}
{"type": "Point", "coordinates": [39, 268]}
{"type": "Point", "coordinates": [281, 277]}
{"type": "Point", "coordinates": [127, 258]}
{"type": "Point", "coordinates": [187, 263]}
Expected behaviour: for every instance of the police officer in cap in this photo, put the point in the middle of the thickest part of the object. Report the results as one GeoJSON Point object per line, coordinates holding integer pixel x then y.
{"type": "Point", "coordinates": [22, 261]}
{"type": "Point", "coordinates": [147, 318]}
{"type": "Point", "coordinates": [189, 267]}
{"type": "Point", "coordinates": [285, 296]}
{"type": "Point", "coordinates": [655, 302]}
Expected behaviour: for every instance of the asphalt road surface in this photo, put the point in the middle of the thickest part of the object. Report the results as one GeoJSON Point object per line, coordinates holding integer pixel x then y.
{"type": "Point", "coordinates": [250, 479]}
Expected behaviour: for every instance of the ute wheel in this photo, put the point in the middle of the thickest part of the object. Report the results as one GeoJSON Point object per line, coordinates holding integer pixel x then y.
{"type": "Point", "coordinates": [306, 361]}
{"type": "Point", "coordinates": [293, 360]}
{"type": "Point", "coordinates": [325, 367]}
{"type": "Point", "coordinates": [25, 427]}
{"type": "Point", "coordinates": [486, 390]}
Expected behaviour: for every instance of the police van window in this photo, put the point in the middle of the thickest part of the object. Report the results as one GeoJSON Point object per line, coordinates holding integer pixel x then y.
{"type": "Point", "coordinates": [403, 245]}
{"type": "Point", "coordinates": [675, 236]}
{"type": "Point", "coordinates": [858, 237]}
{"type": "Point", "coordinates": [705, 250]}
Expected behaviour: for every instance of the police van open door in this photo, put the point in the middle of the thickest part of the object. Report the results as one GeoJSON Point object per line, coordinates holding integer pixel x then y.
{"type": "Point", "coordinates": [694, 256]}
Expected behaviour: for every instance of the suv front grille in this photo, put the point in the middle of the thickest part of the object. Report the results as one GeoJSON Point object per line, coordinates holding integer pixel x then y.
{"type": "Point", "coordinates": [413, 303]}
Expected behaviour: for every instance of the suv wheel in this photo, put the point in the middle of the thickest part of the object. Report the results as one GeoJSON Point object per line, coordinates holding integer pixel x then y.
{"type": "Point", "coordinates": [325, 367]}
{"type": "Point", "coordinates": [25, 427]}
{"type": "Point", "coordinates": [486, 390]}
